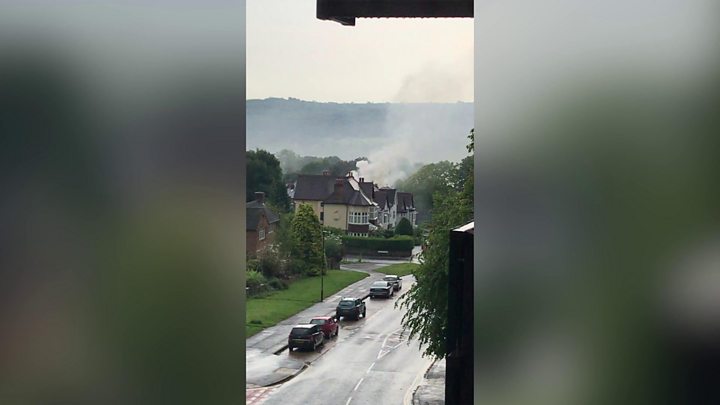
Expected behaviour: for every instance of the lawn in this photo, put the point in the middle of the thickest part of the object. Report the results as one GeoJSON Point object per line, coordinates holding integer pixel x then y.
{"type": "Point", "coordinates": [268, 311]}
{"type": "Point", "coordinates": [400, 269]}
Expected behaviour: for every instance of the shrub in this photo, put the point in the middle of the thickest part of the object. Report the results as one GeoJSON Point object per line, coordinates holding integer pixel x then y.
{"type": "Point", "coordinates": [256, 282]}
{"type": "Point", "coordinates": [404, 227]}
{"type": "Point", "coordinates": [388, 233]}
{"type": "Point", "coordinates": [277, 284]}
{"type": "Point", "coordinates": [269, 264]}
{"type": "Point", "coordinates": [333, 248]}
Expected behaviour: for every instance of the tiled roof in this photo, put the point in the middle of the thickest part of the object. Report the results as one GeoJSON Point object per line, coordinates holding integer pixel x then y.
{"type": "Point", "coordinates": [390, 195]}
{"type": "Point", "coordinates": [254, 211]}
{"type": "Point", "coordinates": [381, 197]}
{"type": "Point", "coordinates": [405, 202]}
{"type": "Point", "coordinates": [348, 195]}
{"type": "Point", "coordinates": [313, 187]}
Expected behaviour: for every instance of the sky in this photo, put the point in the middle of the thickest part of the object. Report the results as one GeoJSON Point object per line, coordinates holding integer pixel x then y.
{"type": "Point", "coordinates": [291, 53]}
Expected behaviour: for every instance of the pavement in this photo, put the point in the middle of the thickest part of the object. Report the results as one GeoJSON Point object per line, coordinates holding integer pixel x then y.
{"type": "Point", "coordinates": [431, 390]}
{"type": "Point", "coordinates": [263, 367]}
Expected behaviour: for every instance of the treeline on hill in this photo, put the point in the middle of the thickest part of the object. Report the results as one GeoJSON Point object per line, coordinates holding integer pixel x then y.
{"type": "Point", "coordinates": [293, 164]}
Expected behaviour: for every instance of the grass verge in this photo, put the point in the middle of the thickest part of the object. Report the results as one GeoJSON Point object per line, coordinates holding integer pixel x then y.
{"type": "Point", "coordinates": [400, 269]}
{"type": "Point", "coordinates": [267, 311]}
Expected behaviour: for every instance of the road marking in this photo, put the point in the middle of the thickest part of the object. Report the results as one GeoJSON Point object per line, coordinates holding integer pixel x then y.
{"type": "Point", "coordinates": [358, 384]}
{"type": "Point", "coordinates": [348, 401]}
{"type": "Point", "coordinates": [371, 366]}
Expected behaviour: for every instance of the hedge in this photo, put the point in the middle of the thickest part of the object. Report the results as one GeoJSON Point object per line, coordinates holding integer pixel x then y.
{"type": "Point", "coordinates": [396, 243]}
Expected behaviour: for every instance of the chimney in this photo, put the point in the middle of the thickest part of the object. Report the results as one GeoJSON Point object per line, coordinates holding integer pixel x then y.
{"type": "Point", "coordinates": [326, 172]}
{"type": "Point", "coordinates": [338, 186]}
{"type": "Point", "coordinates": [260, 197]}
{"type": "Point", "coordinates": [362, 179]}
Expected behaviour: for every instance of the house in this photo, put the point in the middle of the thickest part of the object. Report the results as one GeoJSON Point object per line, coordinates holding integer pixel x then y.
{"type": "Point", "coordinates": [261, 224]}
{"type": "Point", "coordinates": [339, 202]}
{"type": "Point", "coordinates": [406, 207]}
{"type": "Point", "coordinates": [353, 205]}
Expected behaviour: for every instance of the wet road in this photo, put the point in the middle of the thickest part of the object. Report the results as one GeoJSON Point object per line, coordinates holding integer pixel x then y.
{"type": "Point", "coordinates": [370, 363]}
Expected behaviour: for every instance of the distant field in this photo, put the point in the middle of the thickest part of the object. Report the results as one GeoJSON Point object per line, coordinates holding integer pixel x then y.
{"type": "Point", "coordinates": [301, 294]}
{"type": "Point", "coordinates": [400, 269]}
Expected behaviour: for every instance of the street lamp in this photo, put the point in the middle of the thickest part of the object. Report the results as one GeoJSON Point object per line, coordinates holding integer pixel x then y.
{"type": "Point", "coordinates": [322, 271]}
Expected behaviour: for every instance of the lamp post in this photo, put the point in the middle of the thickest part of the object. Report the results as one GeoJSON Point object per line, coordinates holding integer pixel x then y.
{"type": "Point", "coordinates": [322, 271]}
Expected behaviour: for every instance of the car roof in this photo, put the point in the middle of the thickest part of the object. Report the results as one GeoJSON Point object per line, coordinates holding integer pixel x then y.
{"type": "Point", "coordinates": [321, 317]}
{"type": "Point", "coordinates": [380, 282]}
{"type": "Point", "coordinates": [391, 276]}
{"type": "Point", "coordinates": [348, 299]}
{"type": "Point", "coordinates": [304, 326]}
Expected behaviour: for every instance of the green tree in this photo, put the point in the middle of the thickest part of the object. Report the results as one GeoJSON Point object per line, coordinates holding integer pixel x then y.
{"type": "Point", "coordinates": [307, 249]}
{"type": "Point", "coordinates": [441, 177]}
{"type": "Point", "coordinates": [264, 174]}
{"type": "Point", "coordinates": [426, 301]}
{"type": "Point", "coordinates": [404, 227]}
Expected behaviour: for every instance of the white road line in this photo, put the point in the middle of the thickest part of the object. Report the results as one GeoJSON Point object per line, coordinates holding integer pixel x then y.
{"type": "Point", "coordinates": [358, 384]}
{"type": "Point", "coordinates": [348, 401]}
{"type": "Point", "coordinates": [371, 366]}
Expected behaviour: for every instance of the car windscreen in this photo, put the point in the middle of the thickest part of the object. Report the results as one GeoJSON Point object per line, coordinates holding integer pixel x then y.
{"type": "Point", "coordinates": [301, 332]}
{"type": "Point", "coordinates": [347, 304]}
{"type": "Point", "coordinates": [318, 321]}
{"type": "Point", "coordinates": [390, 279]}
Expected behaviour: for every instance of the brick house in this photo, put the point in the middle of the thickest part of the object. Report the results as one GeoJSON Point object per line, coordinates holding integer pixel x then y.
{"type": "Point", "coordinates": [261, 224]}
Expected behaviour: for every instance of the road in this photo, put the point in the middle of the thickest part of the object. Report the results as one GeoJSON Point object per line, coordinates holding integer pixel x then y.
{"type": "Point", "coordinates": [370, 362]}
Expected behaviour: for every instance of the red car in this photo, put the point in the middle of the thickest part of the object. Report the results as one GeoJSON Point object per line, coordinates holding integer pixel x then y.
{"type": "Point", "coordinates": [327, 324]}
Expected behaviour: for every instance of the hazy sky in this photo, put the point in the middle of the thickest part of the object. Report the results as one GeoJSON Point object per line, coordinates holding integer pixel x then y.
{"type": "Point", "coordinates": [290, 53]}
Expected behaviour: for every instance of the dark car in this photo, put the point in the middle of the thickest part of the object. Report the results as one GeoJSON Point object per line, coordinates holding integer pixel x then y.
{"type": "Point", "coordinates": [382, 289]}
{"type": "Point", "coordinates": [350, 308]}
{"type": "Point", "coordinates": [327, 324]}
{"type": "Point", "coordinates": [307, 336]}
{"type": "Point", "coordinates": [396, 280]}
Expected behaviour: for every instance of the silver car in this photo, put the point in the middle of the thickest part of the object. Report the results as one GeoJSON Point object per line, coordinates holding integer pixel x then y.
{"type": "Point", "coordinates": [395, 280]}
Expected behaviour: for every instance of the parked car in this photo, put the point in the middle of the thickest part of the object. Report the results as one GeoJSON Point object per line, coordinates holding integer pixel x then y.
{"type": "Point", "coordinates": [382, 289]}
{"type": "Point", "coordinates": [307, 336]}
{"type": "Point", "coordinates": [350, 308]}
{"type": "Point", "coordinates": [396, 280]}
{"type": "Point", "coordinates": [327, 324]}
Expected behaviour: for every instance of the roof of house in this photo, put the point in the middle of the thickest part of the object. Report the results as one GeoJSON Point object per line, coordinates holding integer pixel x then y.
{"type": "Point", "coordinates": [381, 198]}
{"type": "Point", "coordinates": [368, 188]}
{"type": "Point", "coordinates": [313, 187]}
{"type": "Point", "coordinates": [349, 194]}
{"type": "Point", "coordinates": [405, 202]}
{"type": "Point", "coordinates": [322, 188]}
{"type": "Point", "coordinates": [255, 210]}
{"type": "Point", "coordinates": [390, 195]}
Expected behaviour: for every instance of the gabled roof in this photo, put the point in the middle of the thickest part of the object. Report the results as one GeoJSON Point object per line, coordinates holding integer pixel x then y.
{"type": "Point", "coordinates": [390, 195]}
{"type": "Point", "coordinates": [254, 211]}
{"type": "Point", "coordinates": [349, 194]}
{"type": "Point", "coordinates": [381, 198]}
{"type": "Point", "coordinates": [367, 188]}
{"type": "Point", "coordinates": [313, 187]}
{"type": "Point", "coordinates": [405, 202]}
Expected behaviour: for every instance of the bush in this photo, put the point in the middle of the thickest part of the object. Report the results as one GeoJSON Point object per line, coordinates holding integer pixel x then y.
{"type": "Point", "coordinates": [397, 243]}
{"type": "Point", "coordinates": [277, 284]}
{"type": "Point", "coordinates": [256, 282]}
{"type": "Point", "coordinates": [388, 233]}
{"type": "Point", "coordinates": [333, 248]}
{"type": "Point", "coordinates": [404, 227]}
{"type": "Point", "coordinates": [269, 265]}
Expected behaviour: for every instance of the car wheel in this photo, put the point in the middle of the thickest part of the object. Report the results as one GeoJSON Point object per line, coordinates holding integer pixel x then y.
{"type": "Point", "coordinates": [364, 313]}
{"type": "Point", "coordinates": [337, 332]}
{"type": "Point", "coordinates": [290, 348]}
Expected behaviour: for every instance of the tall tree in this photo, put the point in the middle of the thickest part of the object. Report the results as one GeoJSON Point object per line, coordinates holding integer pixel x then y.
{"type": "Point", "coordinates": [441, 177]}
{"type": "Point", "coordinates": [426, 301]}
{"type": "Point", "coordinates": [264, 174]}
{"type": "Point", "coordinates": [307, 247]}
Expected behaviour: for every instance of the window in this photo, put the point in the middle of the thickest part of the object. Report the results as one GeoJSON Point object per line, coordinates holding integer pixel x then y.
{"type": "Point", "coordinates": [261, 233]}
{"type": "Point", "coordinates": [322, 216]}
